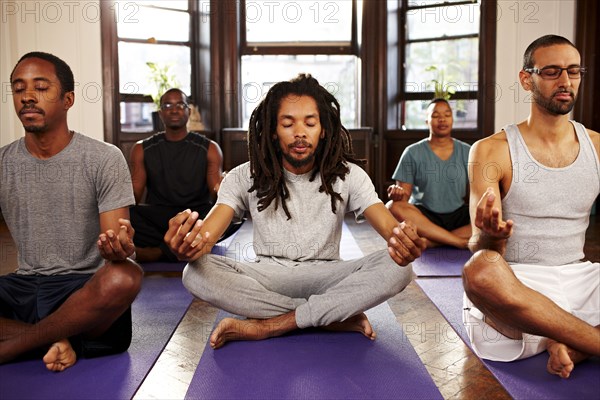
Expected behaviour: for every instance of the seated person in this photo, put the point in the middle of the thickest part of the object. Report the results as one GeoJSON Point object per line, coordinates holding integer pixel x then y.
{"type": "Point", "coordinates": [176, 169]}
{"type": "Point", "coordinates": [66, 202]}
{"type": "Point", "coordinates": [529, 287]}
{"type": "Point", "coordinates": [431, 183]}
{"type": "Point", "coordinates": [299, 183]}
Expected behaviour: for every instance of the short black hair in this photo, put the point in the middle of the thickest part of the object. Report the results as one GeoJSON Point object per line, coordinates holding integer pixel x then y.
{"type": "Point", "coordinates": [544, 41]}
{"type": "Point", "coordinates": [61, 68]}
{"type": "Point", "coordinates": [438, 100]}
{"type": "Point", "coordinates": [185, 97]}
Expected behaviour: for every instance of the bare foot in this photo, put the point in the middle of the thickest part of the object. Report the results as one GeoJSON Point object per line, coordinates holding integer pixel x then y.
{"type": "Point", "coordinates": [560, 362]}
{"type": "Point", "coordinates": [359, 323]}
{"type": "Point", "coordinates": [60, 356]}
{"type": "Point", "coordinates": [252, 329]}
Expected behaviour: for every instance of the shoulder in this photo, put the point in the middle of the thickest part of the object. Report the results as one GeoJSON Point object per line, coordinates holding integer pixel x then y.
{"type": "Point", "coordinates": [356, 174]}
{"type": "Point", "coordinates": [242, 169]}
{"type": "Point", "coordinates": [85, 142]}
{"type": "Point", "coordinates": [462, 145]}
{"type": "Point", "coordinates": [152, 140]}
{"type": "Point", "coordinates": [198, 139]}
{"type": "Point", "coordinates": [415, 148]}
{"type": "Point", "coordinates": [10, 149]}
{"type": "Point", "coordinates": [595, 138]}
{"type": "Point", "coordinates": [494, 147]}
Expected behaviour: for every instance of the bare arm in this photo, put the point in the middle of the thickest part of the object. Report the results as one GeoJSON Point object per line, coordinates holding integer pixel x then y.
{"type": "Point", "coordinates": [189, 237]}
{"type": "Point", "coordinates": [214, 168]}
{"type": "Point", "coordinates": [404, 245]}
{"type": "Point", "coordinates": [115, 241]}
{"type": "Point", "coordinates": [138, 171]}
{"type": "Point", "coordinates": [401, 191]}
{"type": "Point", "coordinates": [490, 174]}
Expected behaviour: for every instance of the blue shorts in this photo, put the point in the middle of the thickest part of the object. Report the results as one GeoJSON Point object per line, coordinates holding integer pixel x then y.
{"type": "Point", "coordinates": [31, 298]}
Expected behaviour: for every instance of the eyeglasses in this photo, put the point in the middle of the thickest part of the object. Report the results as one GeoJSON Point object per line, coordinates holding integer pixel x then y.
{"type": "Point", "coordinates": [554, 72]}
{"type": "Point", "coordinates": [169, 106]}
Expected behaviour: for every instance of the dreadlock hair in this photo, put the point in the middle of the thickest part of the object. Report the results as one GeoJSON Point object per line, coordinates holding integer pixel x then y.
{"type": "Point", "coordinates": [331, 155]}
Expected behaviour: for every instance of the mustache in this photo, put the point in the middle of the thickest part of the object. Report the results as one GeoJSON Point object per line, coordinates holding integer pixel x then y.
{"type": "Point", "coordinates": [298, 143]}
{"type": "Point", "coordinates": [559, 91]}
{"type": "Point", "coordinates": [31, 108]}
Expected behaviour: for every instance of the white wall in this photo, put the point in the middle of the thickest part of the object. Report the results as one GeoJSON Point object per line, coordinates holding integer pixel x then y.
{"type": "Point", "coordinates": [518, 24]}
{"type": "Point", "coordinates": [69, 30]}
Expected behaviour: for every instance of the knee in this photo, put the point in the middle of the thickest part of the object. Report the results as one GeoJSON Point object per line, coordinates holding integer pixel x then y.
{"type": "Point", "coordinates": [121, 281]}
{"type": "Point", "coordinates": [482, 272]}
{"type": "Point", "coordinates": [397, 279]}
{"type": "Point", "coordinates": [194, 282]}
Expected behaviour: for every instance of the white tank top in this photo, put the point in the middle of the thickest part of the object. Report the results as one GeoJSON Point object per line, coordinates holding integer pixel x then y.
{"type": "Point", "coordinates": [550, 206]}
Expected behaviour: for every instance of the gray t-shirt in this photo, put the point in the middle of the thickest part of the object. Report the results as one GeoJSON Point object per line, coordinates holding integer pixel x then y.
{"type": "Point", "coordinates": [314, 231]}
{"type": "Point", "coordinates": [52, 206]}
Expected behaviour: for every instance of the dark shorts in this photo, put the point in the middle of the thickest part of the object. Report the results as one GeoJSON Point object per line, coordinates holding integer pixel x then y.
{"type": "Point", "coordinates": [31, 298]}
{"type": "Point", "coordinates": [448, 221]}
{"type": "Point", "coordinates": [152, 222]}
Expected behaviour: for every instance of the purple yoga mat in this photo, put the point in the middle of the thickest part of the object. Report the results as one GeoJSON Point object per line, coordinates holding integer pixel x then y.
{"type": "Point", "coordinates": [441, 261]}
{"type": "Point", "coordinates": [524, 379]}
{"type": "Point", "coordinates": [156, 313]}
{"type": "Point", "coordinates": [163, 266]}
{"type": "Point", "coordinates": [314, 364]}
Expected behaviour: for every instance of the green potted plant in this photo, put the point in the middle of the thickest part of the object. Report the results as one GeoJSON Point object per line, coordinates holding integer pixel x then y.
{"type": "Point", "coordinates": [162, 79]}
{"type": "Point", "coordinates": [440, 88]}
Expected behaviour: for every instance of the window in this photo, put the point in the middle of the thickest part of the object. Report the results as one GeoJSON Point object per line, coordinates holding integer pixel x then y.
{"type": "Point", "coordinates": [440, 41]}
{"type": "Point", "coordinates": [280, 39]}
{"type": "Point", "coordinates": [157, 32]}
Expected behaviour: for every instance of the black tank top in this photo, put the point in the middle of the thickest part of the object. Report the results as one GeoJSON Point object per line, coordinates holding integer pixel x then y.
{"type": "Point", "coordinates": [176, 171]}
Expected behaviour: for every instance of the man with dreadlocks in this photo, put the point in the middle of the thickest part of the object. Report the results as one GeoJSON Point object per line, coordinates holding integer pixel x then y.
{"type": "Point", "coordinates": [300, 181]}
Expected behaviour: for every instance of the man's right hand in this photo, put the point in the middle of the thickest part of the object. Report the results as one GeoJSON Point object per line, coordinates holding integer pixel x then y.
{"type": "Point", "coordinates": [184, 237]}
{"type": "Point", "coordinates": [488, 220]}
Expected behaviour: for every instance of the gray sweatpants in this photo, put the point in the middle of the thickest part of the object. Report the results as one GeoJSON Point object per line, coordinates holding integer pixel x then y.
{"type": "Point", "coordinates": [321, 292]}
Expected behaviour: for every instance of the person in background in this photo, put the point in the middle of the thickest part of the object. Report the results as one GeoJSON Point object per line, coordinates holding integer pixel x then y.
{"type": "Point", "coordinates": [174, 169]}
{"type": "Point", "coordinates": [431, 188]}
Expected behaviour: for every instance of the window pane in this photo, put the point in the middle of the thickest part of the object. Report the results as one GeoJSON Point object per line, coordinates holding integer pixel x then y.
{"type": "Point", "coordinates": [298, 21]}
{"type": "Point", "coordinates": [134, 74]}
{"type": "Point", "coordinates": [452, 20]}
{"type": "Point", "coordinates": [336, 73]}
{"type": "Point", "coordinates": [417, 3]}
{"type": "Point", "coordinates": [458, 59]}
{"type": "Point", "coordinates": [160, 24]}
{"type": "Point", "coordinates": [136, 117]}
{"type": "Point", "coordinates": [464, 113]}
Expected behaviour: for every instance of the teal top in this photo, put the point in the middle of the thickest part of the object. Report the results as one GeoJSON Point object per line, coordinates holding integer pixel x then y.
{"type": "Point", "coordinates": [439, 185]}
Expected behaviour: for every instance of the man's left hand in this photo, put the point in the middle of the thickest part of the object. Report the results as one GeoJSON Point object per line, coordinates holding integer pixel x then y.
{"type": "Point", "coordinates": [117, 246]}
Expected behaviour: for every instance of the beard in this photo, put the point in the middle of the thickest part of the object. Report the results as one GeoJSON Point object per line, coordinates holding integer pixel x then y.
{"type": "Point", "coordinates": [551, 105]}
{"type": "Point", "coordinates": [35, 128]}
{"type": "Point", "coordinates": [294, 162]}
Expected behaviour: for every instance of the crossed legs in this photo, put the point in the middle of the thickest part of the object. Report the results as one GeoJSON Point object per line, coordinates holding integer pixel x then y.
{"type": "Point", "coordinates": [435, 234]}
{"type": "Point", "coordinates": [278, 299]}
{"type": "Point", "coordinates": [513, 308]}
{"type": "Point", "coordinates": [89, 312]}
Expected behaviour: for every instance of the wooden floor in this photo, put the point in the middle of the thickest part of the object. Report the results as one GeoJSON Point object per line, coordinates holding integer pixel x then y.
{"type": "Point", "coordinates": [455, 370]}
